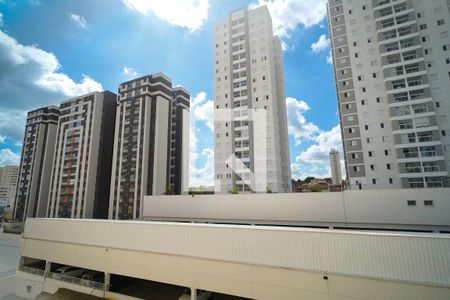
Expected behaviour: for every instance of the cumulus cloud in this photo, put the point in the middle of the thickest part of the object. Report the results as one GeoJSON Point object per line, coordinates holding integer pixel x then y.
{"type": "Point", "coordinates": [30, 77]}
{"type": "Point", "coordinates": [330, 58]}
{"type": "Point", "coordinates": [78, 20]}
{"type": "Point", "coordinates": [190, 14]}
{"type": "Point", "coordinates": [321, 44]}
{"type": "Point", "coordinates": [129, 72]}
{"type": "Point", "coordinates": [201, 112]}
{"type": "Point", "coordinates": [203, 109]}
{"type": "Point", "coordinates": [314, 161]}
{"type": "Point", "coordinates": [288, 14]}
{"type": "Point", "coordinates": [8, 157]}
{"type": "Point", "coordinates": [298, 126]}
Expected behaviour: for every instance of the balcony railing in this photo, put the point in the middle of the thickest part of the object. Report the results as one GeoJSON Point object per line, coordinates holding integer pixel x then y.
{"type": "Point", "coordinates": [428, 153]}
{"type": "Point", "coordinates": [406, 126]}
{"type": "Point", "coordinates": [431, 168]}
{"type": "Point", "coordinates": [413, 170]}
{"type": "Point", "coordinates": [415, 83]}
{"type": "Point", "coordinates": [424, 139]}
{"type": "Point", "coordinates": [411, 154]}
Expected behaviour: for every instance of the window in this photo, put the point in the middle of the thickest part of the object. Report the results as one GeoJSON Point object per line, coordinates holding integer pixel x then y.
{"type": "Point", "coordinates": [363, 102]}
{"type": "Point", "coordinates": [391, 181]}
{"type": "Point", "coordinates": [386, 152]}
{"type": "Point", "coordinates": [371, 154]}
{"type": "Point", "coordinates": [364, 7]}
{"type": "Point", "coordinates": [359, 78]}
{"type": "Point", "coordinates": [428, 202]}
{"type": "Point", "coordinates": [374, 181]}
{"type": "Point", "coordinates": [440, 22]}
{"type": "Point", "coordinates": [422, 26]}
{"type": "Point", "coordinates": [411, 202]}
{"type": "Point", "coordinates": [374, 75]}
{"type": "Point", "coordinates": [350, 12]}
{"type": "Point", "coordinates": [372, 167]}
{"type": "Point", "coordinates": [382, 125]}
{"type": "Point", "coordinates": [388, 166]}
{"type": "Point", "coordinates": [366, 127]}
{"type": "Point", "coordinates": [378, 99]}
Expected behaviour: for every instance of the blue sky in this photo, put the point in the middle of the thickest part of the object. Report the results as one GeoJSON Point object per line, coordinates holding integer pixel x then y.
{"type": "Point", "coordinates": [53, 50]}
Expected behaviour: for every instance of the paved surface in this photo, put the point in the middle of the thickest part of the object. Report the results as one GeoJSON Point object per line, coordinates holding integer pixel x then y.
{"type": "Point", "coordinates": [9, 253]}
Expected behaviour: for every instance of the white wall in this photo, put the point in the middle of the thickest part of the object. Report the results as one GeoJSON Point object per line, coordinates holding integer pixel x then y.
{"type": "Point", "coordinates": [365, 208]}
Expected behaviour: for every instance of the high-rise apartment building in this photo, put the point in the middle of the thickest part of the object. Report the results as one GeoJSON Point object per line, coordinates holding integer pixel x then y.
{"type": "Point", "coordinates": [36, 163]}
{"type": "Point", "coordinates": [392, 71]}
{"type": "Point", "coordinates": [335, 166]}
{"type": "Point", "coordinates": [81, 171]}
{"type": "Point", "coordinates": [250, 154]}
{"type": "Point", "coordinates": [151, 145]}
{"type": "Point", "coordinates": [9, 176]}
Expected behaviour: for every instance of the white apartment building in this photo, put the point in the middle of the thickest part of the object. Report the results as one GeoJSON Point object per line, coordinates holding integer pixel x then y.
{"type": "Point", "coordinates": [9, 176]}
{"type": "Point", "coordinates": [82, 161]}
{"type": "Point", "coordinates": [251, 148]}
{"type": "Point", "coordinates": [335, 166]}
{"type": "Point", "coordinates": [392, 71]}
{"type": "Point", "coordinates": [36, 163]}
{"type": "Point", "coordinates": [151, 145]}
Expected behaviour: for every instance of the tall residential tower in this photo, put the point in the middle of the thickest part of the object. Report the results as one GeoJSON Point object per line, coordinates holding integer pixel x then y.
{"type": "Point", "coordinates": [9, 176]}
{"type": "Point", "coordinates": [251, 149]}
{"type": "Point", "coordinates": [335, 166]}
{"type": "Point", "coordinates": [151, 144]}
{"type": "Point", "coordinates": [82, 162]}
{"type": "Point", "coordinates": [36, 163]}
{"type": "Point", "coordinates": [392, 71]}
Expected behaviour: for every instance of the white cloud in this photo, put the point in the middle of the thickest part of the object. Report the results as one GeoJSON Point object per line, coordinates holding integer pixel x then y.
{"type": "Point", "coordinates": [201, 111]}
{"type": "Point", "coordinates": [298, 126]}
{"type": "Point", "coordinates": [190, 14]}
{"type": "Point", "coordinates": [2, 139]}
{"type": "Point", "coordinates": [129, 72]}
{"type": "Point", "coordinates": [330, 58]}
{"type": "Point", "coordinates": [79, 20]}
{"type": "Point", "coordinates": [288, 14]}
{"type": "Point", "coordinates": [7, 157]}
{"type": "Point", "coordinates": [31, 78]}
{"type": "Point", "coordinates": [321, 44]}
{"type": "Point", "coordinates": [314, 161]}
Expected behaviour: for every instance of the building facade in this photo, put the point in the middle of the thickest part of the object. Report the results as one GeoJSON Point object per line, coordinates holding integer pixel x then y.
{"type": "Point", "coordinates": [9, 176]}
{"type": "Point", "coordinates": [151, 145]}
{"type": "Point", "coordinates": [82, 162]}
{"type": "Point", "coordinates": [392, 71]}
{"type": "Point", "coordinates": [251, 149]}
{"type": "Point", "coordinates": [36, 163]}
{"type": "Point", "coordinates": [335, 166]}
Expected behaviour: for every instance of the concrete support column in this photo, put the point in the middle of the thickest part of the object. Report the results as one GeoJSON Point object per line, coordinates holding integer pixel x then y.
{"type": "Point", "coordinates": [193, 294]}
{"type": "Point", "coordinates": [107, 283]}
{"type": "Point", "coordinates": [48, 266]}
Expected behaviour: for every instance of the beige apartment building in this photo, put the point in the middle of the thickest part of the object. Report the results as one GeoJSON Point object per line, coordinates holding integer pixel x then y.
{"type": "Point", "coordinates": [392, 69]}
{"type": "Point", "coordinates": [251, 148]}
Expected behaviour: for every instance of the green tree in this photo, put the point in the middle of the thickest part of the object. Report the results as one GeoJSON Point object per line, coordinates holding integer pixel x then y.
{"type": "Point", "coordinates": [169, 191]}
{"type": "Point", "coordinates": [233, 191]}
